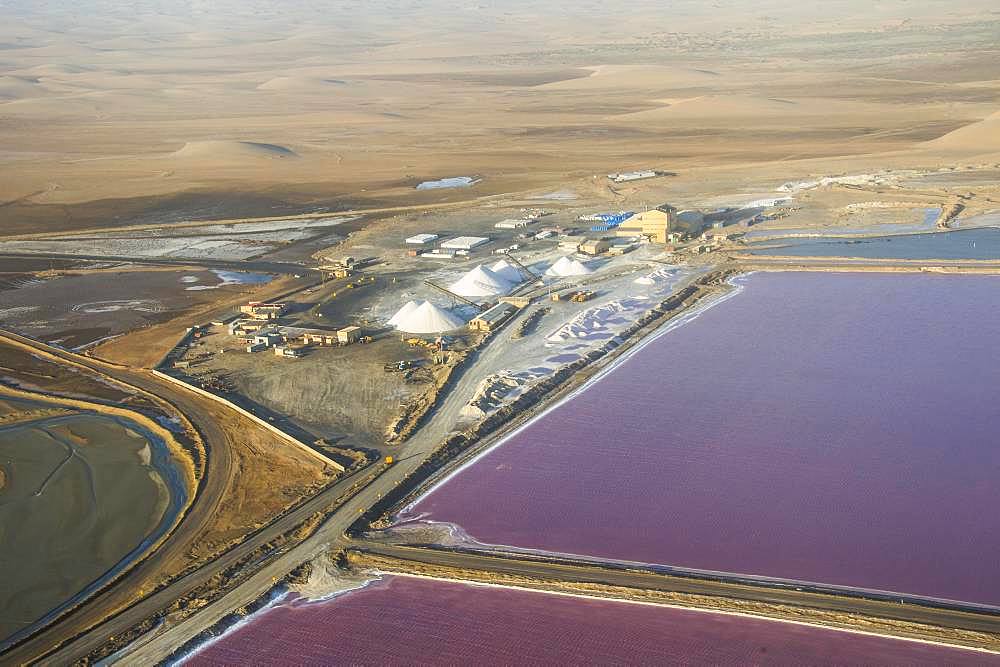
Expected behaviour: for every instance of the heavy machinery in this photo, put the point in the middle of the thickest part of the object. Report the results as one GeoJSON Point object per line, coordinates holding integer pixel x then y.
{"type": "Point", "coordinates": [582, 295]}
{"type": "Point", "coordinates": [397, 366]}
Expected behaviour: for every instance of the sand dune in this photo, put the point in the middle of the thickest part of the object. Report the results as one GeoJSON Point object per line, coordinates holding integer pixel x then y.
{"type": "Point", "coordinates": [217, 150]}
{"type": "Point", "coordinates": [977, 138]}
{"type": "Point", "coordinates": [95, 101]}
{"type": "Point", "coordinates": [751, 110]}
{"type": "Point", "coordinates": [619, 77]}
{"type": "Point", "coordinates": [300, 83]}
{"type": "Point", "coordinates": [19, 88]}
{"type": "Point", "coordinates": [56, 70]}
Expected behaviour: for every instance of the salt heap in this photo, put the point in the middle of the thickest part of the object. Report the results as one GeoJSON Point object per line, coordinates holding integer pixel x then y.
{"type": "Point", "coordinates": [480, 281]}
{"type": "Point", "coordinates": [424, 317]}
{"type": "Point", "coordinates": [403, 313]}
{"type": "Point", "coordinates": [644, 280]}
{"type": "Point", "coordinates": [568, 267]}
{"type": "Point", "coordinates": [508, 272]}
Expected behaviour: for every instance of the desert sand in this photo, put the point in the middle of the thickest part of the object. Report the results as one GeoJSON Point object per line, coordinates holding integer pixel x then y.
{"type": "Point", "coordinates": [110, 110]}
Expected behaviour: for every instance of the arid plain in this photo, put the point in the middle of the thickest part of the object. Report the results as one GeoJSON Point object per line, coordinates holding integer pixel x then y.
{"type": "Point", "coordinates": [156, 111]}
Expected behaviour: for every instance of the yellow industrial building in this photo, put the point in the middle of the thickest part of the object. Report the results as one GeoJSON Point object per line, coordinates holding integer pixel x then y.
{"type": "Point", "coordinates": [655, 224]}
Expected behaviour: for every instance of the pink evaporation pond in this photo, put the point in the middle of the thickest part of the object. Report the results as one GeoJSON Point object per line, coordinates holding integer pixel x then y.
{"type": "Point", "coordinates": [404, 621]}
{"type": "Point", "coordinates": [833, 428]}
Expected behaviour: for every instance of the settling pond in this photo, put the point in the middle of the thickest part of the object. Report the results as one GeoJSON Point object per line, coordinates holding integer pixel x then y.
{"type": "Point", "coordinates": [818, 427]}
{"type": "Point", "coordinates": [406, 621]}
{"type": "Point", "coordinates": [965, 244]}
{"type": "Point", "coordinates": [83, 496]}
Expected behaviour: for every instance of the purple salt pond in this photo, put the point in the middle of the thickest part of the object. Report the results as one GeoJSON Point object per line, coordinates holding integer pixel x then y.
{"type": "Point", "coordinates": [834, 428]}
{"type": "Point", "coordinates": [401, 621]}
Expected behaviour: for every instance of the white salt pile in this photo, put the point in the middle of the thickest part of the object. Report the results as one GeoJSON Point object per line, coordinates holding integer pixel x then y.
{"type": "Point", "coordinates": [508, 272]}
{"type": "Point", "coordinates": [424, 317]}
{"type": "Point", "coordinates": [568, 267]}
{"type": "Point", "coordinates": [403, 313]}
{"type": "Point", "coordinates": [480, 281]}
{"type": "Point", "coordinates": [644, 280]}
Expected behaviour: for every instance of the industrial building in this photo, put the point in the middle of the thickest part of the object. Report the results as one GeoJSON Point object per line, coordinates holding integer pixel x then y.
{"type": "Point", "coordinates": [319, 338]}
{"type": "Point", "coordinates": [595, 246]}
{"type": "Point", "coordinates": [246, 327]}
{"type": "Point", "coordinates": [690, 218]}
{"type": "Point", "coordinates": [490, 319]}
{"type": "Point", "coordinates": [260, 310]}
{"type": "Point", "coordinates": [464, 243]}
{"type": "Point", "coordinates": [441, 252]}
{"type": "Point", "coordinates": [512, 223]}
{"type": "Point", "coordinates": [421, 239]}
{"type": "Point", "coordinates": [348, 335]}
{"type": "Point", "coordinates": [268, 339]}
{"type": "Point", "coordinates": [655, 224]}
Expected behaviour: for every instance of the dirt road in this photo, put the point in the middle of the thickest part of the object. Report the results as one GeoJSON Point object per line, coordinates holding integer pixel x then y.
{"type": "Point", "coordinates": [782, 598]}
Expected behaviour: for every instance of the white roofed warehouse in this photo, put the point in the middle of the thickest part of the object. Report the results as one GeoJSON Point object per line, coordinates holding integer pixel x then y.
{"type": "Point", "coordinates": [465, 242]}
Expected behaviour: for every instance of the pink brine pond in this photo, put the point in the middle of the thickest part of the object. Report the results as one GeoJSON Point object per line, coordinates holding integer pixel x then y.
{"type": "Point", "coordinates": [833, 428]}
{"type": "Point", "coordinates": [403, 621]}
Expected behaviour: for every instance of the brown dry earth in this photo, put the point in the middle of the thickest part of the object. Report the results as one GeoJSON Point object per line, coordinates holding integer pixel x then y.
{"type": "Point", "coordinates": [125, 115]}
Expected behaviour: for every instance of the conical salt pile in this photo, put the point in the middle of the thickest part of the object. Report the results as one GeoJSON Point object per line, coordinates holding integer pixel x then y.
{"type": "Point", "coordinates": [644, 280]}
{"type": "Point", "coordinates": [568, 267]}
{"type": "Point", "coordinates": [427, 318]}
{"type": "Point", "coordinates": [403, 313]}
{"type": "Point", "coordinates": [508, 272]}
{"type": "Point", "coordinates": [480, 281]}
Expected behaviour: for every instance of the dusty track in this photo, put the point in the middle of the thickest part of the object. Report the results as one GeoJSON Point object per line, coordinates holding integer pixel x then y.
{"type": "Point", "coordinates": [891, 617]}
{"type": "Point", "coordinates": [859, 264]}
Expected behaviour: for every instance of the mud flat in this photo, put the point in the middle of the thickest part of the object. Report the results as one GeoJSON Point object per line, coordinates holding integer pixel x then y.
{"type": "Point", "coordinates": [74, 310]}
{"type": "Point", "coordinates": [406, 620]}
{"type": "Point", "coordinates": [751, 440]}
{"type": "Point", "coordinates": [85, 496]}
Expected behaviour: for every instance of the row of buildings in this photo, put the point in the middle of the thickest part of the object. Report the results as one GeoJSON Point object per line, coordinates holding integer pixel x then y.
{"type": "Point", "coordinates": [289, 341]}
{"type": "Point", "coordinates": [259, 330]}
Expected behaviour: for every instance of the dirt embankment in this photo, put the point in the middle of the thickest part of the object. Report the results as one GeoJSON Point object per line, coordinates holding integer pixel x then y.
{"type": "Point", "coordinates": [13, 418]}
{"type": "Point", "coordinates": [833, 619]}
{"type": "Point", "coordinates": [949, 213]}
{"type": "Point", "coordinates": [33, 376]}
{"type": "Point", "coordinates": [416, 410]}
{"type": "Point", "coordinates": [268, 476]}
{"type": "Point", "coordinates": [866, 265]}
{"type": "Point", "coordinates": [181, 451]}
